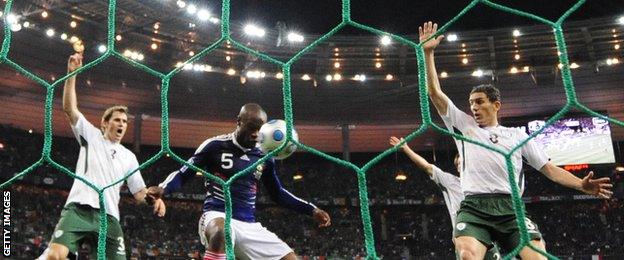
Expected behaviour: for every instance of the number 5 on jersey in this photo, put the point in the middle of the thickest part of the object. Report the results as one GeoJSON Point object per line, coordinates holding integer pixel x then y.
{"type": "Point", "coordinates": [226, 161]}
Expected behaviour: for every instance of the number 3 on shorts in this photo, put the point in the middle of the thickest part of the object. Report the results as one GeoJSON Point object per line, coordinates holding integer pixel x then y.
{"type": "Point", "coordinates": [122, 247]}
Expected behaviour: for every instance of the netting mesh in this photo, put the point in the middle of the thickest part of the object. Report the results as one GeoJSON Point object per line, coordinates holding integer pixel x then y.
{"type": "Point", "coordinates": [571, 103]}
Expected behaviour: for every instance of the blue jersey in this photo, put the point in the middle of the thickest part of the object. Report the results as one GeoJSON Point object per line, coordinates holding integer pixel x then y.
{"type": "Point", "coordinates": [223, 157]}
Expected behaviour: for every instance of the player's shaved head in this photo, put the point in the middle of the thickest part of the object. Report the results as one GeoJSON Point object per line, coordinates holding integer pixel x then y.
{"type": "Point", "coordinates": [251, 111]}
{"type": "Point", "coordinates": [250, 118]}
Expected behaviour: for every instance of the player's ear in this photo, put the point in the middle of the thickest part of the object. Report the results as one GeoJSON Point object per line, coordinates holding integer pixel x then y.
{"type": "Point", "coordinates": [497, 105]}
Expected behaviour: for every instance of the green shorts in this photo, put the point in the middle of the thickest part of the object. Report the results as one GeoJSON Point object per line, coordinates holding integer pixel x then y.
{"type": "Point", "coordinates": [491, 218]}
{"type": "Point", "coordinates": [80, 224]}
{"type": "Point", "coordinates": [493, 253]}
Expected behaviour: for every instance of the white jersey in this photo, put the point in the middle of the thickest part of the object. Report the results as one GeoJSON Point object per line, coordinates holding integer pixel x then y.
{"type": "Point", "coordinates": [451, 190]}
{"type": "Point", "coordinates": [102, 163]}
{"type": "Point", "coordinates": [485, 171]}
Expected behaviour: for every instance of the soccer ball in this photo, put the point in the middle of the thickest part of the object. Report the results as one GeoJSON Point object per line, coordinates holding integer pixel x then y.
{"type": "Point", "coordinates": [272, 134]}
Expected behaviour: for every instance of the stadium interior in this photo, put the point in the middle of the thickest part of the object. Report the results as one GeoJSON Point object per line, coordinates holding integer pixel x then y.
{"type": "Point", "coordinates": [349, 95]}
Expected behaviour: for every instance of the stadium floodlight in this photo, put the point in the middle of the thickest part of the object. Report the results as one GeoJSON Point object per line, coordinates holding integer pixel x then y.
{"type": "Point", "coordinates": [477, 73]}
{"type": "Point", "coordinates": [16, 27]}
{"type": "Point", "coordinates": [191, 9]}
{"type": "Point", "coordinates": [203, 15]}
{"type": "Point", "coordinates": [452, 37]}
{"type": "Point", "coordinates": [11, 19]}
{"type": "Point", "coordinates": [295, 37]}
{"type": "Point", "coordinates": [254, 74]}
{"type": "Point", "coordinates": [385, 40]}
{"type": "Point", "coordinates": [254, 30]}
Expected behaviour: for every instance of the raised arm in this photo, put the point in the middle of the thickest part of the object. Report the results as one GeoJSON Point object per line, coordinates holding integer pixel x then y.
{"type": "Point", "coordinates": [421, 162]}
{"type": "Point", "coordinates": [438, 98]}
{"type": "Point", "coordinates": [70, 103]}
{"type": "Point", "coordinates": [599, 187]}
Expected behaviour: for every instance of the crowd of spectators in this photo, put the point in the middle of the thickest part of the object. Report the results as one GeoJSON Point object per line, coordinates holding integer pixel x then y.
{"type": "Point", "coordinates": [408, 218]}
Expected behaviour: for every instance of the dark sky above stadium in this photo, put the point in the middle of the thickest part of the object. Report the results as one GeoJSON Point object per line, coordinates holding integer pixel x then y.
{"type": "Point", "coordinates": [404, 16]}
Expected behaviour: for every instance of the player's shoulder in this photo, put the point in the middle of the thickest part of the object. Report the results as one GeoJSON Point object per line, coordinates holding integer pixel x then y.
{"type": "Point", "coordinates": [215, 141]}
{"type": "Point", "coordinates": [221, 138]}
{"type": "Point", "coordinates": [515, 131]}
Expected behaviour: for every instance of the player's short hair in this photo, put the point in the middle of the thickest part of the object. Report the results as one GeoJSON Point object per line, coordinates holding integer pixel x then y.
{"type": "Point", "coordinates": [109, 112]}
{"type": "Point", "coordinates": [492, 93]}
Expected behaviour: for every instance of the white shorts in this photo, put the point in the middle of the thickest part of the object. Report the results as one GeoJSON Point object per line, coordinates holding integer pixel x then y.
{"type": "Point", "coordinates": [251, 240]}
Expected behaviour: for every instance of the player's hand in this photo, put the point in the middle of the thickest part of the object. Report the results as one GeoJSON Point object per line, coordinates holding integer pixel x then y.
{"type": "Point", "coordinates": [599, 187]}
{"type": "Point", "coordinates": [427, 30]}
{"type": "Point", "coordinates": [74, 62]}
{"type": "Point", "coordinates": [154, 193]}
{"type": "Point", "coordinates": [321, 217]}
{"type": "Point", "coordinates": [159, 208]}
{"type": "Point", "coordinates": [394, 141]}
